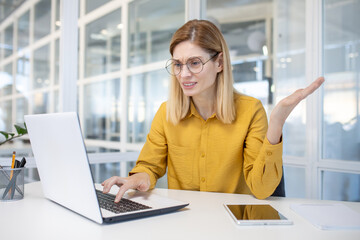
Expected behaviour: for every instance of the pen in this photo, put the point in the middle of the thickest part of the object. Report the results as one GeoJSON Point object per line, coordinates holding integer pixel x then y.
{"type": "Point", "coordinates": [12, 182]}
{"type": "Point", "coordinates": [8, 177]}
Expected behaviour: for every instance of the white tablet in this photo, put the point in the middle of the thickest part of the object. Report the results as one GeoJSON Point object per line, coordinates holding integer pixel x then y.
{"type": "Point", "coordinates": [256, 214]}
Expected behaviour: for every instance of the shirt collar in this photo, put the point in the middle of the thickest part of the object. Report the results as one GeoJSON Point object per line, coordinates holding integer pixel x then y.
{"type": "Point", "coordinates": [194, 112]}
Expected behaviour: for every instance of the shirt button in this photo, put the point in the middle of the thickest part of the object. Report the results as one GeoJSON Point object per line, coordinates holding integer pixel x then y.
{"type": "Point", "coordinates": [203, 155]}
{"type": "Point", "coordinates": [203, 179]}
{"type": "Point", "coordinates": [269, 153]}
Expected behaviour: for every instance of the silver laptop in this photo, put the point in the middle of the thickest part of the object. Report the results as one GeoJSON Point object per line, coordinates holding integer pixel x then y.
{"type": "Point", "coordinates": [65, 174]}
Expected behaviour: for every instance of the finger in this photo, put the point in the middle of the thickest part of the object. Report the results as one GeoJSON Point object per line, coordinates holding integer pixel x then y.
{"type": "Point", "coordinates": [111, 182]}
{"type": "Point", "coordinates": [121, 192]}
{"type": "Point", "coordinates": [312, 87]}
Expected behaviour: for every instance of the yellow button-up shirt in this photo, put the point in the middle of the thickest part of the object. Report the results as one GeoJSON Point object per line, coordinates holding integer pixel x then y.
{"type": "Point", "coordinates": [208, 155]}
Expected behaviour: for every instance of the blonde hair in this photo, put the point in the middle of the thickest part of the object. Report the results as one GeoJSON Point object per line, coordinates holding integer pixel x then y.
{"type": "Point", "coordinates": [207, 36]}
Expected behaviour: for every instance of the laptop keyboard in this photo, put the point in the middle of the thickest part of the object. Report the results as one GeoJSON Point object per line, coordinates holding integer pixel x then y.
{"type": "Point", "coordinates": [125, 205]}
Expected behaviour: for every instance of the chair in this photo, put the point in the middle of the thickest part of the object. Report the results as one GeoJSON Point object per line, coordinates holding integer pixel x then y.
{"type": "Point", "coordinates": [280, 189]}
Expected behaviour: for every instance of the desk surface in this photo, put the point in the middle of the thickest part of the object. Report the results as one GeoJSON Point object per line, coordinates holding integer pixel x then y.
{"type": "Point", "coordinates": [205, 218]}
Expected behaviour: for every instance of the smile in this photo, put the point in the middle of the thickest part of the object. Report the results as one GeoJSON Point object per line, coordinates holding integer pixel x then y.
{"type": "Point", "coordinates": [189, 84]}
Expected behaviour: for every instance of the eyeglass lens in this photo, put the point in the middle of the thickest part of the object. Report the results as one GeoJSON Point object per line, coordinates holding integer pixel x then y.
{"type": "Point", "coordinates": [194, 65]}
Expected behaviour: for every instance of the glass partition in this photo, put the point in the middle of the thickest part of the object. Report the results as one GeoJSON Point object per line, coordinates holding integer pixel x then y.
{"type": "Point", "coordinates": [41, 68]}
{"type": "Point", "coordinates": [267, 46]}
{"type": "Point", "coordinates": [23, 31]}
{"type": "Point", "coordinates": [23, 74]}
{"type": "Point", "coordinates": [40, 103]}
{"type": "Point", "coordinates": [247, 34]}
{"type": "Point", "coordinates": [21, 109]}
{"type": "Point", "coordinates": [6, 116]}
{"type": "Point", "coordinates": [7, 80]}
{"type": "Point", "coordinates": [56, 101]}
{"type": "Point", "coordinates": [8, 40]}
{"type": "Point", "coordinates": [1, 45]}
{"type": "Point", "coordinates": [102, 44]}
{"type": "Point", "coordinates": [151, 26]}
{"type": "Point", "coordinates": [146, 92]}
{"type": "Point", "coordinates": [295, 182]}
{"type": "Point", "coordinates": [340, 186]}
{"type": "Point", "coordinates": [57, 61]}
{"type": "Point", "coordinates": [341, 118]}
{"type": "Point", "coordinates": [42, 13]}
{"type": "Point", "coordinates": [57, 15]}
{"type": "Point", "coordinates": [102, 110]}
{"type": "Point", "coordinates": [94, 4]}
{"type": "Point", "coordinates": [289, 70]}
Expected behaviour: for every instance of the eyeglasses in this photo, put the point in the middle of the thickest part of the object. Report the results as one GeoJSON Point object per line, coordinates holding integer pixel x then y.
{"type": "Point", "coordinates": [194, 64]}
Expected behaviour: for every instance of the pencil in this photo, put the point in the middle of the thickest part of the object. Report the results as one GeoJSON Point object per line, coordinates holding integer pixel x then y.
{"type": "Point", "coordinates": [12, 163]}
{"type": "Point", "coordinates": [12, 166]}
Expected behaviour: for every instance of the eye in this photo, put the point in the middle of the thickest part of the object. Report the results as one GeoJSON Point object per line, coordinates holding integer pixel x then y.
{"type": "Point", "coordinates": [195, 62]}
{"type": "Point", "coordinates": [177, 64]}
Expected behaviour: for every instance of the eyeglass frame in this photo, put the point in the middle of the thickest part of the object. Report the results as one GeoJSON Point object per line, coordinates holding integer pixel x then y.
{"type": "Point", "coordinates": [187, 61]}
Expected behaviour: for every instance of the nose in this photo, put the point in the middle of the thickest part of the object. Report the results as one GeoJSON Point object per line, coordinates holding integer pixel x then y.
{"type": "Point", "coordinates": [185, 72]}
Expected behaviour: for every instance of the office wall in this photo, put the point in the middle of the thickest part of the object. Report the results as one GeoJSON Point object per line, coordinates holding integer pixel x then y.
{"type": "Point", "coordinates": [123, 47]}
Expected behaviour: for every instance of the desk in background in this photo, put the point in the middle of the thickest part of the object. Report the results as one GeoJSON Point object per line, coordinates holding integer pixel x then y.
{"type": "Point", "coordinates": [35, 217]}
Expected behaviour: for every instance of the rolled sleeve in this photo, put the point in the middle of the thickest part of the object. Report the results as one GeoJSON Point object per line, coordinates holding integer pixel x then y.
{"type": "Point", "coordinates": [153, 156]}
{"type": "Point", "coordinates": [262, 169]}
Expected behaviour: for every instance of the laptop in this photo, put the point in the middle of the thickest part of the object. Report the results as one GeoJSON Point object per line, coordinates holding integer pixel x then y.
{"type": "Point", "coordinates": [66, 178]}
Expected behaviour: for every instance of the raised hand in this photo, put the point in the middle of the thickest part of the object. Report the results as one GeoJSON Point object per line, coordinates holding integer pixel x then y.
{"type": "Point", "coordinates": [283, 109]}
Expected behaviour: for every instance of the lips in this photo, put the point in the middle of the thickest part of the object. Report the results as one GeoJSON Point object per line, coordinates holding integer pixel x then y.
{"type": "Point", "coordinates": [189, 84]}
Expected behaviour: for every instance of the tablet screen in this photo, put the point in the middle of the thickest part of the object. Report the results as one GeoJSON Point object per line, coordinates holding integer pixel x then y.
{"type": "Point", "coordinates": [256, 214]}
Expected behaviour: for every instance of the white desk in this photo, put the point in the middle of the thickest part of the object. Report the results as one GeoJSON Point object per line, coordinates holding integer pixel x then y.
{"type": "Point", "coordinates": [205, 218]}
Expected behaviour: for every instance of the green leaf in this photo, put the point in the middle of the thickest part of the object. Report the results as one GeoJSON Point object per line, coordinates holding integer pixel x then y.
{"type": "Point", "coordinates": [6, 135]}
{"type": "Point", "coordinates": [20, 130]}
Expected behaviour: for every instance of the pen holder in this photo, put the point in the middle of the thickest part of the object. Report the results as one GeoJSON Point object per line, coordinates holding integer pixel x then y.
{"type": "Point", "coordinates": [11, 183]}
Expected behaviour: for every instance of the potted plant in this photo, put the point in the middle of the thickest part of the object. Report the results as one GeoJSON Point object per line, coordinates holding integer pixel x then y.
{"type": "Point", "coordinates": [20, 131]}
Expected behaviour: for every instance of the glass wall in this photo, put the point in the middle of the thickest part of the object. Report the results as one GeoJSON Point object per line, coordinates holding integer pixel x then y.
{"type": "Point", "coordinates": [248, 35]}
{"type": "Point", "coordinates": [102, 110]}
{"type": "Point", "coordinates": [42, 13]}
{"type": "Point", "coordinates": [7, 79]}
{"type": "Point", "coordinates": [289, 70]}
{"type": "Point", "coordinates": [94, 4]}
{"type": "Point", "coordinates": [151, 26]}
{"type": "Point", "coordinates": [342, 70]}
{"type": "Point", "coordinates": [341, 101]}
{"type": "Point", "coordinates": [23, 31]}
{"type": "Point", "coordinates": [295, 182]}
{"type": "Point", "coordinates": [5, 115]}
{"type": "Point", "coordinates": [146, 92]}
{"type": "Point", "coordinates": [23, 74]}
{"type": "Point", "coordinates": [26, 70]}
{"type": "Point", "coordinates": [268, 50]}
{"type": "Point", "coordinates": [102, 44]}
{"type": "Point", "coordinates": [122, 80]}
{"type": "Point", "coordinates": [41, 67]}
{"type": "Point", "coordinates": [340, 186]}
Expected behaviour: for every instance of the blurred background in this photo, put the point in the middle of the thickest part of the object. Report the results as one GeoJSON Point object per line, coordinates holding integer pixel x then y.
{"type": "Point", "coordinates": [276, 47]}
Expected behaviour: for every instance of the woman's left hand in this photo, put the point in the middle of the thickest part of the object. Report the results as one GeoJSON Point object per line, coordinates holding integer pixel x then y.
{"type": "Point", "coordinates": [283, 109]}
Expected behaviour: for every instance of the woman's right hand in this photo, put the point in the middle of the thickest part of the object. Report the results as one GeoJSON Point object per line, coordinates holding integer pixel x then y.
{"type": "Point", "coordinates": [138, 181]}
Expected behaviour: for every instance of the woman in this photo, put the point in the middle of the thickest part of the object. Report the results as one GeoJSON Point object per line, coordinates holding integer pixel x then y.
{"type": "Point", "coordinates": [210, 137]}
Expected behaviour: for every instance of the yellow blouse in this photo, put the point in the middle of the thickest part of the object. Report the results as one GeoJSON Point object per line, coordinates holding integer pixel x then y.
{"type": "Point", "coordinates": [208, 155]}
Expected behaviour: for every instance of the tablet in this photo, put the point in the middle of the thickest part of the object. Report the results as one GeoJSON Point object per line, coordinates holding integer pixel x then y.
{"type": "Point", "coordinates": [256, 214]}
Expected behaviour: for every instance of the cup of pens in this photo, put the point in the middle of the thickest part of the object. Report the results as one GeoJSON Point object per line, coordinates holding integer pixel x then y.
{"type": "Point", "coordinates": [12, 181]}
